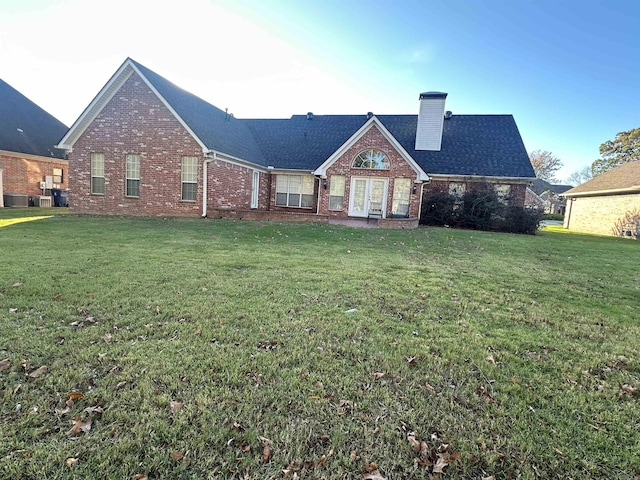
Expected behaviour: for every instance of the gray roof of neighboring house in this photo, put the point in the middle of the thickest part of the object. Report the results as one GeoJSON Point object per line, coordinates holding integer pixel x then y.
{"type": "Point", "coordinates": [626, 176]}
{"type": "Point", "coordinates": [540, 186]}
{"type": "Point", "coordinates": [27, 128]}
{"type": "Point", "coordinates": [484, 145]}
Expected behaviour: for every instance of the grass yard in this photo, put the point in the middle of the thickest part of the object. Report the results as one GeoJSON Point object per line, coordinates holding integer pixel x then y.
{"type": "Point", "coordinates": [186, 348]}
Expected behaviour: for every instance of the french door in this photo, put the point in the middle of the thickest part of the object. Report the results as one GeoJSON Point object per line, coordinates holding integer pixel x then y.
{"type": "Point", "coordinates": [368, 196]}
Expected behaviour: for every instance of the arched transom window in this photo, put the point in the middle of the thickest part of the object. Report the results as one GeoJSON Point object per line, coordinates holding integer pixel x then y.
{"type": "Point", "coordinates": [371, 158]}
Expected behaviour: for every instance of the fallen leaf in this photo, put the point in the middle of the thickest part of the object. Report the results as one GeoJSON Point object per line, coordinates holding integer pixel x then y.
{"type": "Point", "coordinates": [429, 387]}
{"type": "Point", "coordinates": [107, 337]}
{"type": "Point", "coordinates": [79, 426]}
{"type": "Point", "coordinates": [266, 450]}
{"type": "Point", "coordinates": [378, 375]}
{"type": "Point", "coordinates": [176, 455]}
{"type": "Point", "coordinates": [13, 310]}
{"type": "Point", "coordinates": [139, 476]}
{"type": "Point", "coordinates": [626, 388]}
{"type": "Point", "coordinates": [71, 461]}
{"type": "Point", "coordinates": [67, 409]}
{"type": "Point", "coordinates": [489, 478]}
{"type": "Point", "coordinates": [444, 459]}
{"type": "Point", "coordinates": [175, 407]}
{"type": "Point", "coordinates": [121, 384]}
{"type": "Point", "coordinates": [39, 372]}
{"type": "Point", "coordinates": [370, 467]}
{"type": "Point", "coordinates": [490, 359]}
{"type": "Point", "coordinates": [93, 410]}
{"type": "Point", "coordinates": [16, 285]}
{"type": "Point", "coordinates": [375, 475]}
{"type": "Point", "coordinates": [411, 361]}
{"type": "Point", "coordinates": [415, 444]}
{"type": "Point", "coordinates": [74, 396]}
{"type": "Point", "coordinates": [4, 364]}
{"type": "Point", "coordinates": [376, 431]}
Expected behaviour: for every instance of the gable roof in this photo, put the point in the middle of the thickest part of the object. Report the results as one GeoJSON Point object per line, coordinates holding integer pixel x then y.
{"type": "Point", "coordinates": [622, 179]}
{"type": "Point", "coordinates": [27, 128]}
{"type": "Point", "coordinates": [540, 186]}
{"type": "Point", "coordinates": [472, 145]}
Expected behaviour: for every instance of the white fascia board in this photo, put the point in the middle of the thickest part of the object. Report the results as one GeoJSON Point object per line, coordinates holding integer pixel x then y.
{"type": "Point", "coordinates": [480, 178]}
{"type": "Point", "coordinates": [322, 169]}
{"type": "Point", "coordinates": [598, 193]}
{"type": "Point", "coordinates": [291, 171]}
{"type": "Point", "coordinates": [95, 107]}
{"type": "Point", "coordinates": [223, 157]}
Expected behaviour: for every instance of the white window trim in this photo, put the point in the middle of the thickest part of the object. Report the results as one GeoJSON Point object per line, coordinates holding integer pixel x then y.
{"type": "Point", "coordinates": [95, 156]}
{"type": "Point", "coordinates": [183, 181]}
{"type": "Point", "coordinates": [255, 187]}
{"type": "Point", "coordinates": [127, 178]}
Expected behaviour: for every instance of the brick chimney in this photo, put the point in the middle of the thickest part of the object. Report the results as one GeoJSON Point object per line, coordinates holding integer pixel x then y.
{"type": "Point", "coordinates": [430, 121]}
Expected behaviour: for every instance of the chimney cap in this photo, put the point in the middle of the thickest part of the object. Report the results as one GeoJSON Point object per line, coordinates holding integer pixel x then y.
{"type": "Point", "coordinates": [369, 114]}
{"type": "Point", "coordinates": [448, 114]}
{"type": "Point", "coordinates": [433, 95]}
{"type": "Point", "coordinates": [309, 115]}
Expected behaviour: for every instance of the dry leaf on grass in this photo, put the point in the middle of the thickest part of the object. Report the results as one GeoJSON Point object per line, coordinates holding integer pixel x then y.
{"type": "Point", "coordinates": [176, 455]}
{"type": "Point", "coordinates": [39, 372]}
{"type": "Point", "coordinates": [445, 459]}
{"type": "Point", "coordinates": [17, 285]}
{"type": "Point", "coordinates": [4, 364]}
{"type": "Point", "coordinates": [79, 426]}
{"type": "Point", "coordinates": [490, 359]}
{"type": "Point", "coordinates": [378, 375]}
{"type": "Point", "coordinates": [415, 444]}
{"type": "Point", "coordinates": [266, 449]}
{"type": "Point", "coordinates": [73, 396]}
{"type": "Point", "coordinates": [71, 461]}
{"type": "Point", "coordinates": [175, 407]}
{"type": "Point", "coordinates": [139, 476]}
{"type": "Point", "coordinates": [107, 337]}
{"type": "Point", "coordinates": [375, 475]}
{"type": "Point", "coordinates": [630, 389]}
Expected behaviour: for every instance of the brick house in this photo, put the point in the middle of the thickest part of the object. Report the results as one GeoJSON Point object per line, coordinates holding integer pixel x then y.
{"type": "Point", "coordinates": [145, 146]}
{"type": "Point", "coordinates": [27, 153]}
{"type": "Point", "coordinates": [608, 204]}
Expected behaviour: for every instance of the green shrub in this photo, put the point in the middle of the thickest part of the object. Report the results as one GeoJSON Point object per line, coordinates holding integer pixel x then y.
{"type": "Point", "coordinates": [481, 208]}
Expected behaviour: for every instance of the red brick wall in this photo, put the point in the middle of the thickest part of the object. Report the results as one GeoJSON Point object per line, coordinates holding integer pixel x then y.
{"type": "Point", "coordinates": [134, 121]}
{"type": "Point", "coordinates": [23, 173]}
{"type": "Point", "coordinates": [373, 138]}
{"type": "Point", "coordinates": [229, 186]}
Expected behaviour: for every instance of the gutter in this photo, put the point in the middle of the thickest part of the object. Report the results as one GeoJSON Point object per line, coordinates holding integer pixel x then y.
{"type": "Point", "coordinates": [598, 193]}
{"type": "Point", "coordinates": [207, 159]}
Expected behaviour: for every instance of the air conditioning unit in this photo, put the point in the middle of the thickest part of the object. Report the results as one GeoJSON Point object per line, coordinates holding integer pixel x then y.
{"type": "Point", "coordinates": [43, 185]}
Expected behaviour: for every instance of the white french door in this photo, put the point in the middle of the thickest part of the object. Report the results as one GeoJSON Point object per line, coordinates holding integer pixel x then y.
{"type": "Point", "coordinates": [368, 196]}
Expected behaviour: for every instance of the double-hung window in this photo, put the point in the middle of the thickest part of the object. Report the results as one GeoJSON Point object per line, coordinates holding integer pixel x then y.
{"type": "Point", "coordinates": [97, 173]}
{"type": "Point", "coordinates": [133, 176]}
{"type": "Point", "coordinates": [503, 191]}
{"type": "Point", "coordinates": [57, 175]}
{"type": "Point", "coordinates": [189, 178]}
{"type": "Point", "coordinates": [294, 191]}
{"type": "Point", "coordinates": [401, 195]}
{"type": "Point", "coordinates": [336, 192]}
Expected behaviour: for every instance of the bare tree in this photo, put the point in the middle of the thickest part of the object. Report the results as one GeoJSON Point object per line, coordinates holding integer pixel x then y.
{"type": "Point", "coordinates": [580, 176]}
{"type": "Point", "coordinates": [545, 164]}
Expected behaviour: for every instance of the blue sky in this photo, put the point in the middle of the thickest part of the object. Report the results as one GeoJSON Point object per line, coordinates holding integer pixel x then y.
{"type": "Point", "coordinates": [569, 71]}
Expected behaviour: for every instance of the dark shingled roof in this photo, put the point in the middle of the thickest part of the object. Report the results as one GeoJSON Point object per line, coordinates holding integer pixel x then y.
{"type": "Point", "coordinates": [539, 186]}
{"type": "Point", "coordinates": [487, 145]}
{"type": "Point", "coordinates": [27, 128]}
{"type": "Point", "coordinates": [215, 128]}
{"type": "Point", "coordinates": [483, 145]}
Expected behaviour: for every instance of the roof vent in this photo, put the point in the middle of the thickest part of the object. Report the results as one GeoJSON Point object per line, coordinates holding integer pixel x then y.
{"type": "Point", "coordinates": [447, 114]}
{"type": "Point", "coordinates": [20, 130]}
{"type": "Point", "coordinates": [309, 115]}
{"type": "Point", "coordinates": [369, 114]}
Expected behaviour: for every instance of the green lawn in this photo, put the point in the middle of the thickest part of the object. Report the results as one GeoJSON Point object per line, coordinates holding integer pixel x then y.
{"type": "Point", "coordinates": [189, 348]}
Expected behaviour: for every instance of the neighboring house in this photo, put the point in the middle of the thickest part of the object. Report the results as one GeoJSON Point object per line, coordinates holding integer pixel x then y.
{"type": "Point", "coordinates": [533, 200]}
{"type": "Point", "coordinates": [145, 146]}
{"type": "Point", "coordinates": [549, 194]}
{"type": "Point", "coordinates": [608, 204]}
{"type": "Point", "coordinates": [27, 154]}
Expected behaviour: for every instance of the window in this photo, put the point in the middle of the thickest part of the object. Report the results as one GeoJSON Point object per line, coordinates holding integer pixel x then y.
{"type": "Point", "coordinates": [97, 173]}
{"type": "Point", "coordinates": [57, 175]}
{"type": "Point", "coordinates": [336, 192]}
{"type": "Point", "coordinates": [503, 192]}
{"type": "Point", "coordinates": [401, 192]}
{"type": "Point", "coordinates": [133, 176]}
{"type": "Point", "coordinates": [255, 186]}
{"type": "Point", "coordinates": [371, 158]}
{"type": "Point", "coordinates": [189, 178]}
{"type": "Point", "coordinates": [294, 191]}
{"type": "Point", "coordinates": [457, 190]}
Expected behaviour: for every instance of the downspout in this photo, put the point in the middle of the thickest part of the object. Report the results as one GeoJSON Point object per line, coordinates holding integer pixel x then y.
{"type": "Point", "coordinates": [320, 180]}
{"type": "Point", "coordinates": [207, 159]}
